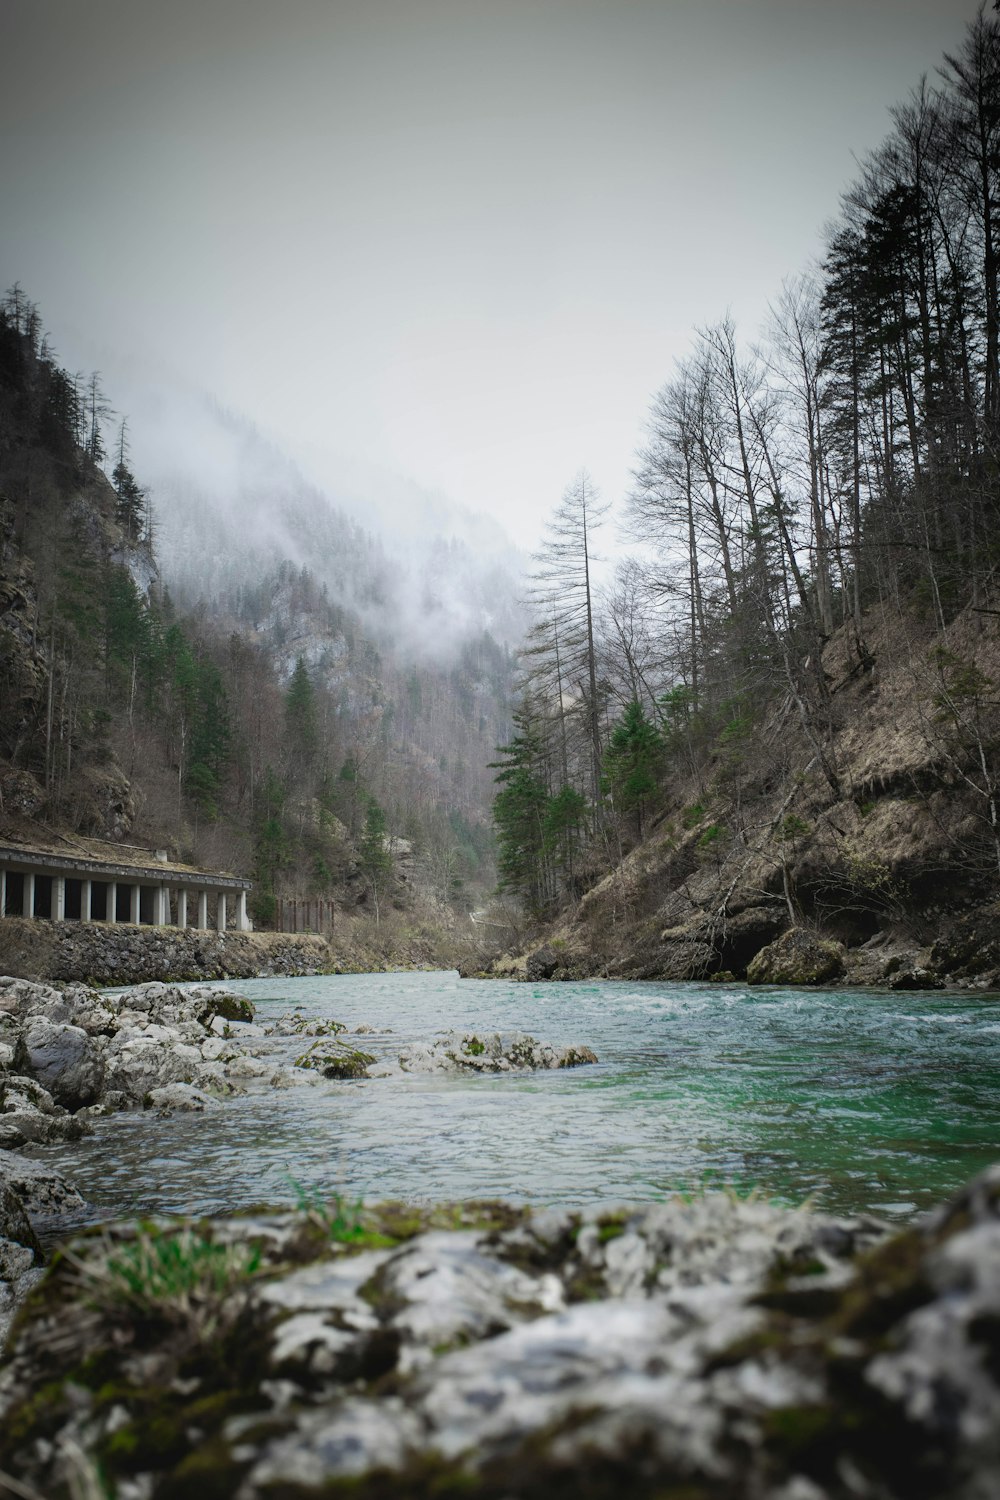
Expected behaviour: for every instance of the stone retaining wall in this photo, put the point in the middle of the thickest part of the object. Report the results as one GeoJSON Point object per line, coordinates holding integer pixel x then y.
{"type": "Point", "coordinates": [125, 954]}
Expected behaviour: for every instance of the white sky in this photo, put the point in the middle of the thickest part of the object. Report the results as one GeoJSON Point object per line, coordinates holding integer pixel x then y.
{"type": "Point", "coordinates": [464, 241]}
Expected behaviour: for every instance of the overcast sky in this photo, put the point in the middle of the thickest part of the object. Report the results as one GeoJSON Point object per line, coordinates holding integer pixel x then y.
{"type": "Point", "coordinates": [462, 240]}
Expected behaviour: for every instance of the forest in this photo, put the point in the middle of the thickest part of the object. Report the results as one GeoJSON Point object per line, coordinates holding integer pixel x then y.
{"type": "Point", "coordinates": [833, 481]}
{"type": "Point", "coordinates": [264, 727]}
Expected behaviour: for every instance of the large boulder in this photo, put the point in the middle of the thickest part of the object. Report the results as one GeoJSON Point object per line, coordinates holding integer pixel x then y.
{"type": "Point", "coordinates": [541, 964]}
{"type": "Point", "coordinates": [66, 1061]}
{"type": "Point", "coordinates": [798, 957]}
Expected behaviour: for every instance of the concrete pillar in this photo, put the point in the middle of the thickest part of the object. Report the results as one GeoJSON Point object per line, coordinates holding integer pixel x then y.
{"type": "Point", "coordinates": [134, 905]}
{"type": "Point", "coordinates": [85, 900]}
{"type": "Point", "coordinates": [241, 912]}
{"type": "Point", "coordinates": [3, 893]}
{"type": "Point", "coordinates": [220, 919]}
{"type": "Point", "coordinates": [28, 903]}
{"type": "Point", "coordinates": [202, 910]}
{"type": "Point", "coordinates": [163, 905]}
{"type": "Point", "coordinates": [111, 910]}
{"type": "Point", "coordinates": [58, 908]}
{"type": "Point", "coordinates": [182, 907]}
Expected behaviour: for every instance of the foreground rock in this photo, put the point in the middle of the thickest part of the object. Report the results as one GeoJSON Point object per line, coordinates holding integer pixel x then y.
{"type": "Point", "coordinates": [715, 1349]}
{"type": "Point", "coordinates": [67, 1054]}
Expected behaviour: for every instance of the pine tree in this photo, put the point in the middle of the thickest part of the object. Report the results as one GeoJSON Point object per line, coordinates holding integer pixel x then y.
{"type": "Point", "coordinates": [519, 814]}
{"type": "Point", "coordinates": [301, 721]}
{"type": "Point", "coordinates": [632, 763]}
{"type": "Point", "coordinates": [375, 859]}
{"type": "Point", "coordinates": [130, 510]}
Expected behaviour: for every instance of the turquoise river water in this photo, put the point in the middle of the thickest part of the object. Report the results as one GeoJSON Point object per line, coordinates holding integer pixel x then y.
{"type": "Point", "coordinates": [858, 1100]}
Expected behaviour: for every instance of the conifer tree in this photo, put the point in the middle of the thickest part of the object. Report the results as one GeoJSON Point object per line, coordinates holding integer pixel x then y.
{"type": "Point", "coordinates": [632, 763]}
{"type": "Point", "coordinates": [375, 859]}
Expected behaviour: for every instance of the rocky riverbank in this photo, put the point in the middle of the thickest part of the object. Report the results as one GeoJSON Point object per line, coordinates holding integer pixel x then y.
{"type": "Point", "coordinates": [71, 1053]}
{"type": "Point", "coordinates": [708, 1349]}
{"type": "Point", "coordinates": [714, 1348]}
{"type": "Point", "coordinates": [964, 955]}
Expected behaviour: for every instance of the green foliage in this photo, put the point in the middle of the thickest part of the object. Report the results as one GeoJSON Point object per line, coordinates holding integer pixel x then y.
{"type": "Point", "coordinates": [563, 822]}
{"type": "Point", "coordinates": [633, 762]}
{"type": "Point", "coordinates": [519, 814]}
{"type": "Point", "coordinates": [337, 1219]}
{"type": "Point", "coordinates": [301, 723]}
{"type": "Point", "coordinates": [376, 860]}
{"type": "Point", "coordinates": [736, 732]}
{"type": "Point", "coordinates": [965, 690]}
{"type": "Point", "coordinates": [169, 1271]}
{"type": "Point", "coordinates": [793, 827]}
{"type": "Point", "coordinates": [272, 846]}
{"type": "Point", "coordinates": [677, 709]}
{"type": "Point", "coordinates": [693, 815]}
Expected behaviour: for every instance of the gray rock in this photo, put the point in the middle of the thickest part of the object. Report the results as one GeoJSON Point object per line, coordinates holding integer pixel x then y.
{"type": "Point", "coordinates": [41, 1190]}
{"type": "Point", "coordinates": [180, 1096]}
{"type": "Point", "coordinates": [448, 1289]}
{"type": "Point", "coordinates": [488, 1052]}
{"type": "Point", "coordinates": [356, 1438]}
{"type": "Point", "coordinates": [798, 957]}
{"type": "Point", "coordinates": [66, 1060]}
{"type": "Point", "coordinates": [541, 964]}
{"type": "Point", "coordinates": [15, 1225]}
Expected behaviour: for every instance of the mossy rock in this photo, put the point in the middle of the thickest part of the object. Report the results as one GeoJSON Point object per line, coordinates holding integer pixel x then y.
{"type": "Point", "coordinates": [229, 1007]}
{"type": "Point", "coordinates": [798, 957]}
{"type": "Point", "coordinates": [336, 1062]}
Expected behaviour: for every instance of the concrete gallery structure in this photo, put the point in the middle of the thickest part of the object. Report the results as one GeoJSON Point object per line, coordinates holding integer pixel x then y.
{"type": "Point", "coordinates": [140, 886]}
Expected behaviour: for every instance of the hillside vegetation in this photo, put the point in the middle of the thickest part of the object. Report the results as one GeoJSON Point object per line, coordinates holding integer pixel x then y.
{"type": "Point", "coordinates": [784, 713]}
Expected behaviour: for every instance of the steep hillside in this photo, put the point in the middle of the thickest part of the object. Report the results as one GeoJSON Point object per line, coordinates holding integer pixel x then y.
{"type": "Point", "coordinates": [880, 857]}
{"type": "Point", "coordinates": [259, 728]}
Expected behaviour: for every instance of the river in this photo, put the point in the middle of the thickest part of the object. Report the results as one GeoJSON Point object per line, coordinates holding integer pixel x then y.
{"type": "Point", "coordinates": [857, 1100]}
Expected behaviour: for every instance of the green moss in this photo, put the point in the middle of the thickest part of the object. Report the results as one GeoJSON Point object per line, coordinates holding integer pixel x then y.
{"type": "Point", "coordinates": [229, 1007]}
{"type": "Point", "coordinates": [474, 1046]}
{"type": "Point", "coordinates": [797, 1430]}
{"type": "Point", "coordinates": [39, 1415]}
{"type": "Point", "coordinates": [890, 1282]}
{"type": "Point", "coordinates": [209, 1473]}
{"type": "Point", "coordinates": [610, 1227]}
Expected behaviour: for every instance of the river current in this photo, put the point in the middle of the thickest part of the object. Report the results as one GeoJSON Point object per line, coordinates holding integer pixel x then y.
{"type": "Point", "coordinates": [855, 1100]}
